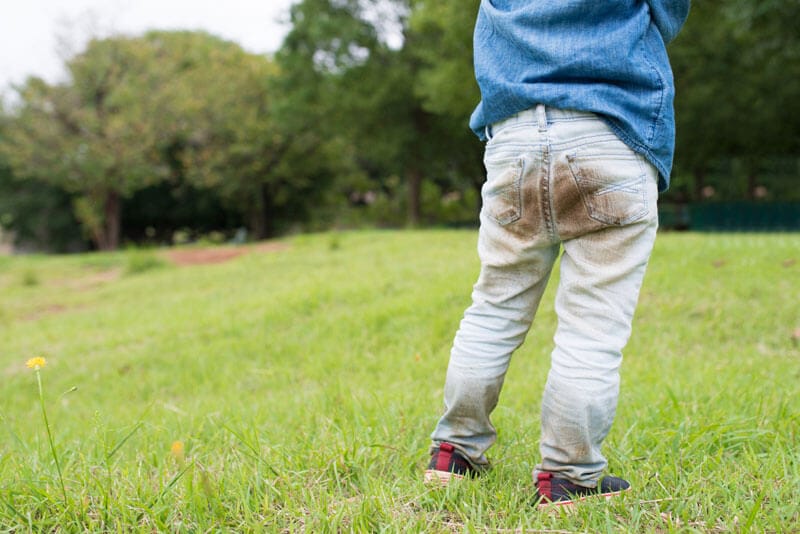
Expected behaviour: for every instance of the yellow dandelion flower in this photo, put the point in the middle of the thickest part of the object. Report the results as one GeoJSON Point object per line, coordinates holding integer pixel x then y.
{"type": "Point", "coordinates": [177, 449]}
{"type": "Point", "coordinates": [36, 363]}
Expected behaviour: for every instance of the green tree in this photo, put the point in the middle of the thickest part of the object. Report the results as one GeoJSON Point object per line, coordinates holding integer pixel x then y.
{"type": "Point", "coordinates": [737, 75]}
{"type": "Point", "coordinates": [440, 39]}
{"type": "Point", "coordinates": [38, 215]}
{"type": "Point", "coordinates": [376, 98]}
{"type": "Point", "coordinates": [442, 44]}
{"type": "Point", "coordinates": [268, 169]}
{"type": "Point", "coordinates": [328, 96]}
{"type": "Point", "coordinates": [96, 136]}
{"type": "Point", "coordinates": [137, 111]}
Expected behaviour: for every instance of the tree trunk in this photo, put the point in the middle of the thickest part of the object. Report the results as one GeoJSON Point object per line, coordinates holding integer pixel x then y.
{"type": "Point", "coordinates": [113, 216]}
{"type": "Point", "coordinates": [414, 174]}
{"type": "Point", "coordinates": [414, 196]}
{"type": "Point", "coordinates": [100, 212]}
{"type": "Point", "coordinates": [259, 216]}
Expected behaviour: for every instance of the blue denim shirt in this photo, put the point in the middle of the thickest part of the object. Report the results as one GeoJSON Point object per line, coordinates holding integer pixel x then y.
{"type": "Point", "coordinates": [608, 57]}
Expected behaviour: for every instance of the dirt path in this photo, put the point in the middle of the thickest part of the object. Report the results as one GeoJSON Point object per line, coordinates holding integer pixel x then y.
{"type": "Point", "coordinates": [205, 256]}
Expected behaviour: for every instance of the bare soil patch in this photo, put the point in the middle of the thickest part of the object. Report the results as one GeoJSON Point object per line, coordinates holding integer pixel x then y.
{"type": "Point", "coordinates": [211, 255]}
{"type": "Point", "coordinates": [44, 311]}
{"type": "Point", "coordinates": [91, 281]}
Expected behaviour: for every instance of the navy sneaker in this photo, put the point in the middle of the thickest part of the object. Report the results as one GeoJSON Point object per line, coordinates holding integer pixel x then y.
{"type": "Point", "coordinates": [447, 463]}
{"type": "Point", "coordinates": [562, 492]}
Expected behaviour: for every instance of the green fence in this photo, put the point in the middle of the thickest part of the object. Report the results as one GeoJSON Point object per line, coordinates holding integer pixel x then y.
{"type": "Point", "coordinates": [731, 216]}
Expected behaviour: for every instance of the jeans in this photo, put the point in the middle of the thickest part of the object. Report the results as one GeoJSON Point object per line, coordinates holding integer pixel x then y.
{"type": "Point", "coordinates": [555, 179]}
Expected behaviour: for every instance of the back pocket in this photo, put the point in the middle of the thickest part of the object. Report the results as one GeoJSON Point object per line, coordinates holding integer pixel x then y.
{"type": "Point", "coordinates": [612, 186]}
{"type": "Point", "coordinates": [502, 191]}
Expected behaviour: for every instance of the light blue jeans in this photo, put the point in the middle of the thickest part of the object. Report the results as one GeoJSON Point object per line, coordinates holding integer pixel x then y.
{"type": "Point", "coordinates": [555, 178]}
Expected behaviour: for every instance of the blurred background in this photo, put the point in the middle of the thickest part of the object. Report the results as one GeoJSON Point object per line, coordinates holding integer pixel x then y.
{"type": "Point", "coordinates": [159, 123]}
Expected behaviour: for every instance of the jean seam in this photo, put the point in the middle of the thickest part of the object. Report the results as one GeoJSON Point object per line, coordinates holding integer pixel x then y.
{"type": "Point", "coordinates": [545, 191]}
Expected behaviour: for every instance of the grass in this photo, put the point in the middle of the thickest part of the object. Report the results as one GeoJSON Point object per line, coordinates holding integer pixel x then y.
{"type": "Point", "coordinates": [295, 391]}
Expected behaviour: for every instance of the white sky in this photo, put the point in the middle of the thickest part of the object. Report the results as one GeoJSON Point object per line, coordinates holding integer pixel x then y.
{"type": "Point", "coordinates": [36, 35]}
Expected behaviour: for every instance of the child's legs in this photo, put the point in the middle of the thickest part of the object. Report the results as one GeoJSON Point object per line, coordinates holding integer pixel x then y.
{"type": "Point", "coordinates": [600, 278]}
{"type": "Point", "coordinates": [504, 302]}
{"type": "Point", "coordinates": [517, 257]}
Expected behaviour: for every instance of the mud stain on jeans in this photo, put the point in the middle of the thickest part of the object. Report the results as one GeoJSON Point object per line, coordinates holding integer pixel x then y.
{"type": "Point", "coordinates": [531, 221]}
{"type": "Point", "coordinates": [569, 206]}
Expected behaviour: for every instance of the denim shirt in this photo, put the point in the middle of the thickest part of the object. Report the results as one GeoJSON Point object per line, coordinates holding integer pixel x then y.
{"type": "Point", "coordinates": [608, 57]}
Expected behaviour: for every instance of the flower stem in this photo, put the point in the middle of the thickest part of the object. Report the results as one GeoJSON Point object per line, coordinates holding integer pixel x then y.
{"type": "Point", "coordinates": [50, 437]}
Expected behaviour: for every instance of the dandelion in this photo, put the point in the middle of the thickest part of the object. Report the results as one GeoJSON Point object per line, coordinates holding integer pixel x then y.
{"type": "Point", "coordinates": [177, 450]}
{"type": "Point", "coordinates": [36, 363]}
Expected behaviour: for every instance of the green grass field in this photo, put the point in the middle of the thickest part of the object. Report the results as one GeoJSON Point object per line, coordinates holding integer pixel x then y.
{"type": "Point", "coordinates": [303, 383]}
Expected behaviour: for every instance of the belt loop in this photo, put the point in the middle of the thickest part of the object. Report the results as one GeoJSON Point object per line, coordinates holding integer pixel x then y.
{"type": "Point", "coordinates": [541, 117]}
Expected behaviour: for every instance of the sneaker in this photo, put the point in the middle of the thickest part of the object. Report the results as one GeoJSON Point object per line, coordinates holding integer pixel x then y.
{"type": "Point", "coordinates": [562, 492]}
{"type": "Point", "coordinates": [447, 463]}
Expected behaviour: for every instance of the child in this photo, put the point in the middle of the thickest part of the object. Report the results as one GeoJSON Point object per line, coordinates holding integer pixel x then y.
{"type": "Point", "coordinates": [577, 113]}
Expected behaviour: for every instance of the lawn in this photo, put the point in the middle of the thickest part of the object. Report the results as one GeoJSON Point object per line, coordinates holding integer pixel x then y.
{"type": "Point", "coordinates": [293, 388]}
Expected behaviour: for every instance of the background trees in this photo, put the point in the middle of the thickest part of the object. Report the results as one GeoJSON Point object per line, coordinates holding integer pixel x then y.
{"type": "Point", "coordinates": [361, 117]}
{"type": "Point", "coordinates": [94, 137]}
{"type": "Point", "coordinates": [737, 71]}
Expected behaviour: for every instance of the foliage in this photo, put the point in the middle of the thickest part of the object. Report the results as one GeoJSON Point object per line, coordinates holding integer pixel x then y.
{"type": "Point", "coordinates": [443, 33]}
{"type": "Point", "coordinates": [737, 71]}
{"type": "Point", "coordinates": [154, 214]}
{"type": "Point", "coordinates": [365, 93]}
{"type": "Point", "coordinates": [352, 87]}
{"type": "Point", "coordinates": [37, 214]}
{"type": "Point", "coordinates": [303, 386]}
{"type": "Point", "coordinates": [237, 148]}
{"type": "Point", "coordinates": [95, 136]}
{"type": "Point", "coordinates": [361, 117]}
{"type": "Point", "coordinates": [139, 111]}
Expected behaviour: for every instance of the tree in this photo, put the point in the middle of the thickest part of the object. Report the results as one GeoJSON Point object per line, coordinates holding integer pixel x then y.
{"type": "Point", "coordinates": [441, 41]}
{"type": "Point", "coordinates": [329, 101]}
{"type": "Point", "coordinates": [38, 215]}
{"type": "Point", "coordinates": [737, 75]}
{"type": "Point", "coordinates": [259, 165]}
{"type": "Point", "coordinates": [96, 136]}
{"type": "Point", "coordinates": [369, 95]}
{"type": "Point", "coordinates": [130, 106]}
{"type": "Point", "coordinates": [443, 45]}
